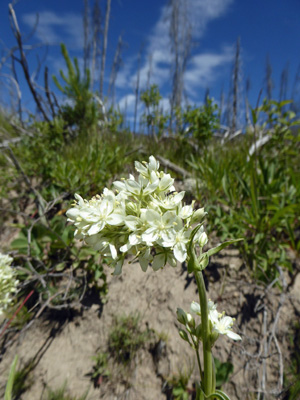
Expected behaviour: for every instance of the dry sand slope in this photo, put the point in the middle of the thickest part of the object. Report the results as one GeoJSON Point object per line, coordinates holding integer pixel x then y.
{"type": "Point", "coordinates": [63, 345]}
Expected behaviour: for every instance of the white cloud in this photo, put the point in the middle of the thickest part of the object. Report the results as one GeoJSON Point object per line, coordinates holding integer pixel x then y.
{"type": "Point", "coordinates": [127, 102]}
{"type": "Point", "coordinates": [204, 68]}
{"type": "Point", "coordinates": [201, 68]}
{"type": "Point", "coordinates": [201, 12]}
{"type": "Point", "coordinates": [56, 28]}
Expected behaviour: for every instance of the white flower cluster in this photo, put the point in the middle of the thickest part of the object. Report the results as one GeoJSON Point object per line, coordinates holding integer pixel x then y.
{"type": "Point", "coordinates": [8, 282]}
{"type": "Point", "coordinates": [144, 217]}
{"type": "Point", "coordinates": [221, 324]}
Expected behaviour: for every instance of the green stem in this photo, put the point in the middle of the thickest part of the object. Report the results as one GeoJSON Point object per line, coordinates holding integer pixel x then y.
{"type": "Point", "coordinates": [207, 356]}
{"type": "Point", "coordinates": [196, 346]}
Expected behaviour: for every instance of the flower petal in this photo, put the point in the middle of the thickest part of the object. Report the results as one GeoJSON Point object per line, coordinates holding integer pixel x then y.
{"type": "Point", "coordinates": [233, 335]}
{"type": "Point", "coordinates": [195, 307]}
{"type": "Point", "coordinates": [115, 219]}
{"type": "Point", "coordinates": [180, 252]}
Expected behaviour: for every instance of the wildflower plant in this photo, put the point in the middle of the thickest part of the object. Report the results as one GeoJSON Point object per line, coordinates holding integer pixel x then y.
{"type": "Point", "coordinates": [8, 282]}
{"type": "Point", "coordinates": [146, 218]}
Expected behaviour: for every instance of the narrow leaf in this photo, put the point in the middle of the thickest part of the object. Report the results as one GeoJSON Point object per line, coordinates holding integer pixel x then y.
{"type": "Point", "coordinates": [10, 382]}
{"type": "Point", "coordinates": [221, 246]}
{"type": "Point", "coordinates": [223, 394]}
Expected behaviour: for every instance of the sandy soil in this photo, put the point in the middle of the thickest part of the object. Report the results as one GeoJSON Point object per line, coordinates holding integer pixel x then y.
{"type": "Point", "coordinates": [63, 344]}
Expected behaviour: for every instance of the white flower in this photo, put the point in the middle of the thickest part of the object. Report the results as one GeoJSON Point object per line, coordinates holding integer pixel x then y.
{"type": "Point", "coordinates": [8, 282]}
{"type": "Point", "coordinates": [158, 224]}
{"type": "Point", "coordinates": [211, 306]}
{"type": "Point", "coordinates": [91, 217]}
{"type": "Point", "coordinates": [165, 183]}
{"type": "Point", "coordinates": [223, 326]}
{"type": "Point", "coordinates": [169, 202]}
{"type": "Point", "coordinates": [131, 187]}
{"type": "Point", "coordinates": [143, 218]}
{"type": "Point", "coordinates": [195, 308]}
{"type": "Point", "coordinates": [221, 323]}
{"type": "Point", "coordinates": [148, 168]}
{"type": "Point", "coordinates": [186, 212]}
{"type": "Point", "coordinates": [178, 241]}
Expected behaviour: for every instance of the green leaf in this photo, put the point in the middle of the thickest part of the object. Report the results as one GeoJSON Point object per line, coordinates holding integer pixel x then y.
{"type": "Point", "coordinates": [20, 244]}
{"type": "Point", "coordinates": [10, 382]}
{"type": "Point", "coordinates": [178, 391]}
{"type": "Point", "coordinates": [221, 246]}
{"type": "Point", "coordinates": [254, 116]}
{"type": "Point", "coordinates": [60, 266]}
{"type": "Point", "coordinates": [203, 263]}
{"type": "Point", "coordinates": [223, 370]}
{"type": "Point", "coordinates": [218, 394]}
{"type": "Point", "coordinates": [193, 264]}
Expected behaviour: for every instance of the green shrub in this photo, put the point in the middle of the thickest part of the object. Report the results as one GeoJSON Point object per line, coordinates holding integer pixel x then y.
{"type": "Point", "coordinates": [178, 385]}
{"type": "Point", "coordinates": [46, 261]}
{"type": "Point", "coordinates": [82, 112]}
{"type": "Point", "coordinates": [100, 369]}
{"type": "Point", "coordinates": [256, 199]}
{"type": "Point", "coordinates": [62, 394]}
{"type": "Point", "coordinates": [126, 338]}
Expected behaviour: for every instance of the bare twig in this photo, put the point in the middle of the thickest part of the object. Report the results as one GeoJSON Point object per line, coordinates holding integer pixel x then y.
{"type": "Point", "coordinates": [23, 61]}
{"type": "Point", "coordinates": [168, 164]}
{"type": "Point", "coordinates": [46, 82]}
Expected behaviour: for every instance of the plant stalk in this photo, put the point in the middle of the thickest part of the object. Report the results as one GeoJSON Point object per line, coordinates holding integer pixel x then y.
{"type": "Point", "coordinates": [207, 355]}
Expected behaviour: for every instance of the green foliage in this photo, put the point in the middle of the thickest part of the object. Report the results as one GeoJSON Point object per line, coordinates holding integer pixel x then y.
{"type": "Point", "coordinates": [86, 165]}
{"type": "Point", "coordinates": [115, 120]}
{"type": "Point", "coordinates": [82, 111]}
{"type": "Point", "coordinates": [10, 382]}
{"type": "Point", "coordinates": [62, 394]}
{"type": "Point", "coordinates": [126, 338]}
{"type": "Point", "coordinates": [23, 379]}
{"type": "Point", "coordinates": [155, 120]}
{"type": "Point", "coordinates": [223, 372]}
{"type": "Point", "coordinates": [255, 199]}
{"type": "Point", "coordinates": [151, 97]}
{"type": "Point", "coordinates": [100, 369]}
{"type": "Point", "coordinates": [199, 123]}
{"type": "Point", "coordinates": [22, 317]}
{"type": "Point", "coordinates": [52, 253]}
{"type": "Point", "coordinates": [179, 382]}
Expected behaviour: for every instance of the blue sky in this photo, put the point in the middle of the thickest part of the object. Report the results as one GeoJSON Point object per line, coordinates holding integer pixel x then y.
{"type": "Point", "coordinates": [265, 27]}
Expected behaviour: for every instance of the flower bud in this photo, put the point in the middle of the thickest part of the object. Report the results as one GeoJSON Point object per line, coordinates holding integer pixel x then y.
{"type": "Point", "coordinates": [184, 335]}
{"type": "Point", "coordinates": [213, 337]}
{"type": "Point", "coordinates": [181, 316]}
{"type": "Point", "coordinates": [190, 320]}
{"type": "Point", "coordinates": [131, 208]}
{"type": "Point", "coordinates": [198, 216]}
{"type": "Point", "coordinates": [203, 239]}
{"type": "Point", "coordinates": [198, 332]}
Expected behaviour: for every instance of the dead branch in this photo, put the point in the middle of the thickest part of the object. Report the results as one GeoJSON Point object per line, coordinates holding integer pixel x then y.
{"type": "Point", "coordinates": [168, 164]}
{"type": "Point", "coordinates": [48, 93]}
{"type": "Point", "coordinates": [40, 202]}
{"type": "Point", "coordinates": [104, 49]}
{"type": "Point", "coordinates": [23, 61]}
